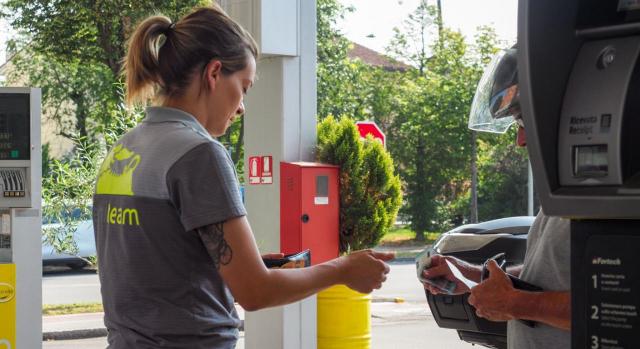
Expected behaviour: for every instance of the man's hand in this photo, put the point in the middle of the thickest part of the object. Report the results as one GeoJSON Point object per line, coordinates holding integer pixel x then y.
{"type": "Point", "coordinates": [440, 269]}
{"type": "Point", "coordinates": [492, 298]}
{"type": "Point", "coordinates": [365, 270]}
{"type": "Point", "coordinates": [272, 255]}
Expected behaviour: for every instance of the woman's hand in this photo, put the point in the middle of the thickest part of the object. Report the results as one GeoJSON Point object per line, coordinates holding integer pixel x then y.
{"type": "Point", "coordinates": [365, 270]}
{"type": "Point", "coordinates": [272, 255]}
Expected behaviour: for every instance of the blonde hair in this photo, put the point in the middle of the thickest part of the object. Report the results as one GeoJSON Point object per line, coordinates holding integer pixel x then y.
{"type": "Point", "coordinates": [163, 57]}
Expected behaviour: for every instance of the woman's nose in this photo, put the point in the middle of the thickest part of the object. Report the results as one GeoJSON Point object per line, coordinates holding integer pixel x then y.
{"type": "Point", "coordinates": [240, 110]}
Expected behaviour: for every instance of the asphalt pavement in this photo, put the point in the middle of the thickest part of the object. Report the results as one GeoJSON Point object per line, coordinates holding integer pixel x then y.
{"type": "Point", "coordinates": [400, 314]}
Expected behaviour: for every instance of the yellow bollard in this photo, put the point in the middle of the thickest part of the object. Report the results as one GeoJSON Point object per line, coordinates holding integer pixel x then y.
{"type": "Point", "coordinates": [344, 319]}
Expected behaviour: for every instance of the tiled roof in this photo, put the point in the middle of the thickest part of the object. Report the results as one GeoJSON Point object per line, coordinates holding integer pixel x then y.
{"type": "Point", "coordinates": [374, 58]}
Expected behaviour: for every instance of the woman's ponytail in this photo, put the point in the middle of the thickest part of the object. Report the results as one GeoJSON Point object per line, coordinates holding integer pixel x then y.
{"type": "Point", "coordinates": [141, 64]}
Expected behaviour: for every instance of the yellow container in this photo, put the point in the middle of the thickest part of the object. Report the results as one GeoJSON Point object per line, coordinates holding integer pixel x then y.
{"type": "Point", "coordinates": [7, 306]}
{"type": "Point", "coordinates": [344, 319]}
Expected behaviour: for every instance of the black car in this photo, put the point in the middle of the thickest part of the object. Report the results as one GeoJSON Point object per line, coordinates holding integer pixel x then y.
{"type": "Point", "coordinates": [475, 243]}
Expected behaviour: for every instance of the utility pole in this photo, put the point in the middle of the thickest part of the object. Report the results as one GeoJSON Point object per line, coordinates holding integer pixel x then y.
{"type": "Point", "coordinates": [474, 178]}
{"type": "Point", "coordinates": [440, 20]}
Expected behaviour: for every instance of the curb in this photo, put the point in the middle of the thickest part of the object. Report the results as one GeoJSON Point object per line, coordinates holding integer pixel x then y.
{"type": "Point", "coordinates": [74, 334]}
{"type": "Point", "coordinates": [387, 300]}
{"type": "Point", "coordinates": [85, 334]}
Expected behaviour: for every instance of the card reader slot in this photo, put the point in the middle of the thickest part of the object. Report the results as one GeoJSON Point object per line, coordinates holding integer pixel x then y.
{"type": "Point", "coordinates": [13, 182]}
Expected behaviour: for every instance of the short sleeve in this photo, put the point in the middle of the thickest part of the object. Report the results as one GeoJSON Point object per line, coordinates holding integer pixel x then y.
{"type": "Point", "coordinates": [203, 187]}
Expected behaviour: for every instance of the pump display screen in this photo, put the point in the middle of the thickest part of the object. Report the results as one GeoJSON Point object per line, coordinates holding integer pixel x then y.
{"type": "Point", "coordinates": [15, 116]}
{"type": "Point", "coordinates": [590, 160]}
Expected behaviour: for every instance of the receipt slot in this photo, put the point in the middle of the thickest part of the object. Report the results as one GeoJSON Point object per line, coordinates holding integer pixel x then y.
{"type": "Point", "coordinates": [20, 219]}
{"type": "Point", "coordinates": [579, 72]}
{"type": "Point", "coordinates": [309, 209]}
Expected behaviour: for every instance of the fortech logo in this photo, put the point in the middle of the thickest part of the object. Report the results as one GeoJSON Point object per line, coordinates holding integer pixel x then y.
{"type": "Point", "coordinates": [605, 261]}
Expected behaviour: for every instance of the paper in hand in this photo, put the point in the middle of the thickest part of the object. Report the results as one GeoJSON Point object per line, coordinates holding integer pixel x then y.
{"type": "Point", "coordinates": [458, 275]}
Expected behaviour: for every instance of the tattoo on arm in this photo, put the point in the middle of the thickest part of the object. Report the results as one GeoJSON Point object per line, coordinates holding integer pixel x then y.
{"type": "Point", "coordinates": [213, 238]}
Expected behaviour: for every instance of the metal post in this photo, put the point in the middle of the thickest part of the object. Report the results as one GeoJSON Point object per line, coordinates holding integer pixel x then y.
{"type": "Point", "coordinates": [529, 189]}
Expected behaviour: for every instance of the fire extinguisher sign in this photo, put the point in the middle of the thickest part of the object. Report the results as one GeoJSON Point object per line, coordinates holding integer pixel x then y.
{"type": "Point", "coordinates": [261, 169]}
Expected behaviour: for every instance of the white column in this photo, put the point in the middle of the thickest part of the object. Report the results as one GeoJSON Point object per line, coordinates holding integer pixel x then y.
{"type": "Point", "coordinates": [280, 121]}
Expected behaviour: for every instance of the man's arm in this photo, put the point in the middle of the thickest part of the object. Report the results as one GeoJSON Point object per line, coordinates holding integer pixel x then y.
{"type": "Point", "coordinates": [496, 299]}
{"type": "Point", "coordinates": [548, 307]}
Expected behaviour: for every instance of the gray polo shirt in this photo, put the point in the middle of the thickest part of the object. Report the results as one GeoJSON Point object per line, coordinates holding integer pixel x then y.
{"type": "Point", "coordinates": [546, 264]}
{"type": "Point", "coordinates": [160, 288]}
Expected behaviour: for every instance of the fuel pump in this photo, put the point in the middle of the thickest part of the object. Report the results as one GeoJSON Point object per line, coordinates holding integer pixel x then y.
{"type": "Point", "coordinates": [20, 219]}
{"type": "Point", "coordinates": [579, 75]}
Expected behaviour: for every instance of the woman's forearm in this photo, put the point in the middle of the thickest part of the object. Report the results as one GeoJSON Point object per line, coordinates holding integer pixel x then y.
{"type": "Point", "coordinates": [285, 286]}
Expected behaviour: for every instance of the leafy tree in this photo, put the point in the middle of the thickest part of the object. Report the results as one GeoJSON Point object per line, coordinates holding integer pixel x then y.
{"type": "Point", "coordinates": [412, 42]}
{"type": "Point", "coordinates": [370, 193]}
{"type": "Point", "coordinates": [487, 46]}
{"type": "Point", "coordinates": [73, 50]}
{"type": "Point", "coordinates": [69, 186]}
{"type": "Point", "coordinates": [86, 30]}
{"type": "Point", "coordinates": [429, 136]}
{"type": "Point", "coordinates": [433, 142]}
{"type": "Point", "coordinates": [340, 91]}
{"type": "Point", "coordinates": [503, 177]}
{"type": "Point", "coordinates": [77, 97]}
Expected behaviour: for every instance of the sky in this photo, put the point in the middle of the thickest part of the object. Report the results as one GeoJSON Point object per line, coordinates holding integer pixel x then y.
{"type": "Point", "coordinates": [378, 17]}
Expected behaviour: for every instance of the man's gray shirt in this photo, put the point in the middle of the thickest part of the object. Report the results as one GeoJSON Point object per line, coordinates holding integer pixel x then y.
{"type": "Point", "coordinates": [159, 285]}
{"type": "Point", "coordinates": [546, 264]}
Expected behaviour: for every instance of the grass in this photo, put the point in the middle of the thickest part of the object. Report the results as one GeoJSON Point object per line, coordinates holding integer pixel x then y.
{"type": "Point", "coordinates": [405, 237]}
{"type": "Point", "coordinates": [75, 308]}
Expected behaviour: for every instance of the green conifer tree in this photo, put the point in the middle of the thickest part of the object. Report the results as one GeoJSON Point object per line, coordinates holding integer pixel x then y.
{"type": "Point", "coordinates": [370, 192]}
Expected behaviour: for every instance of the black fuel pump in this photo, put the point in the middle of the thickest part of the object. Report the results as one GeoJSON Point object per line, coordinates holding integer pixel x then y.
{"type": "Point", "coordinates": [579, 66]}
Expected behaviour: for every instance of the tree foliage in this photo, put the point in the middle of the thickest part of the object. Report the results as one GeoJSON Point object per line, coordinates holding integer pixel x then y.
{"type": "Point", "coordinates": [429, 138]}
{"type": "Point", "coordinates": [69, 187]}
{"type": "Point", "coordinates": [339, 89]}
{"type": "Point", "coordinates": [370, 193]}
{"type": "Point", "coordinates": [73, 50]}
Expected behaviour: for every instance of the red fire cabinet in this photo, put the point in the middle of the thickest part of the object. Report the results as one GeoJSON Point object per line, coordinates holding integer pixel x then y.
{"type": "Point", "coordinates": [309, 209]}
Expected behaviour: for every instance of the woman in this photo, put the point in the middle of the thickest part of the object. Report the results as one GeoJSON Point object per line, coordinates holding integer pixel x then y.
{"type": "Point", "coordinates": [174, 245]}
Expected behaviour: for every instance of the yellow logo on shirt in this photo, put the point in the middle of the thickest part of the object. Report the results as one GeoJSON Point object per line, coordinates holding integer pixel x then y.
{"type": "Point", "coordinates": [116, 173]}
{"type": "Point", "coordinates": [122, 216]}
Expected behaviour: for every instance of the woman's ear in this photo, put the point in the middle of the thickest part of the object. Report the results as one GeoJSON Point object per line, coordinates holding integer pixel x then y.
{"type": "Point", "coordinates": [212, 73]}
